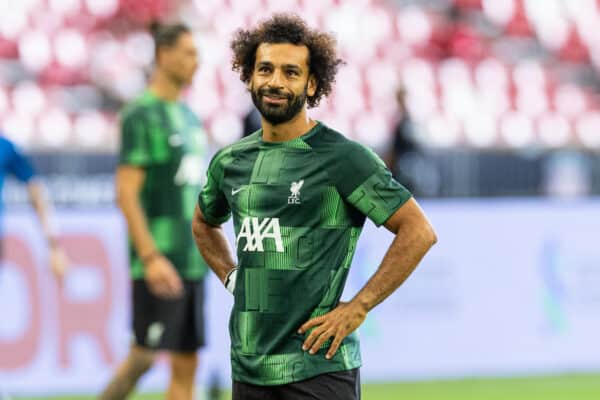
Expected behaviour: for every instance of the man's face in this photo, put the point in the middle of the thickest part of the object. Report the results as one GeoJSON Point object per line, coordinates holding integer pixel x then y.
{"type": "Point", "coordinates": [180, 61]}
{"type": "Point", "coordinates": [281, 82]}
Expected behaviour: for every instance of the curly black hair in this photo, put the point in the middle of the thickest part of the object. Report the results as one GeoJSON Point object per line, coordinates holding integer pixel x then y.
{"type": "Point", "coordinates": [289, 28]}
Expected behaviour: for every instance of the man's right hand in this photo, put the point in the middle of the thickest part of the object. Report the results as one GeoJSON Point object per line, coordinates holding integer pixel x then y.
{"type": "Point", "coordinates": [162, 278]}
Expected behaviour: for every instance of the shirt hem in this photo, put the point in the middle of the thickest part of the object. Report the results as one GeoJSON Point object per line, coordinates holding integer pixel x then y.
{"type": "Point", "coordinates": [295, 379]}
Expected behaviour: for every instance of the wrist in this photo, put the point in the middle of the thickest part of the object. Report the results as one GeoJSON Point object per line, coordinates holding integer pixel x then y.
{"type": "Point", "coordinates": [361, 304]}
{"type": "Point", "coordinates": [228, 274]}
{"type": "Point", "coordinates": [230, 279]}
{"type": "Point", "coordinates": [149, 257]}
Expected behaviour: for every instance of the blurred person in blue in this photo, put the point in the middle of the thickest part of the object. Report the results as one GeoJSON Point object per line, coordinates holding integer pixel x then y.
{"type": "Point", "coordinates": [13, 162]}
{"type": "Point", "coordinates": [158, 179]}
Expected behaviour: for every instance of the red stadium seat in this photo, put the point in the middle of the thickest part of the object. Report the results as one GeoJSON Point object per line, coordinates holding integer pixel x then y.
{"type": "Point", "coordinates": [519, 24]}
{"type": "Point", "coordinates": [574, 50]}
{"type": "Point", "coordinates": [461, 88]}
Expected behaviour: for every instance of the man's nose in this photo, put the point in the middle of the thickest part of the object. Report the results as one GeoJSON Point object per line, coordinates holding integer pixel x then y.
{"type": "Point", "coordinates": [276, 80]}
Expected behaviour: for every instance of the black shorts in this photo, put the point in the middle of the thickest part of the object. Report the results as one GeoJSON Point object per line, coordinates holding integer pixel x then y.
{"type": "Point", "coordinates": [343, 385]}
{"type": "Point", "coordinates": [174, 325]}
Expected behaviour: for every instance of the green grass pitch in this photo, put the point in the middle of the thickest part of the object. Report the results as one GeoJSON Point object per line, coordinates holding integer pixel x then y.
{"type": "Point", "coordinates": [564, 387]}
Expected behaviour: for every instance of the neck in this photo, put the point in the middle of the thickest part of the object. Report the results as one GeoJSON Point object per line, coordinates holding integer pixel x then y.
{"type": "Point", "coordinates": [289, 130]}
{"type": "Point", "coordinates": [164, 87]}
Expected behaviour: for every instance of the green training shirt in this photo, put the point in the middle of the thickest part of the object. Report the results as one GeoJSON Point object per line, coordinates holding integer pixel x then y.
{"type": "Point", "coordinates": [166, 139]}
{"type": "Point", "coordinates": [298, 209]}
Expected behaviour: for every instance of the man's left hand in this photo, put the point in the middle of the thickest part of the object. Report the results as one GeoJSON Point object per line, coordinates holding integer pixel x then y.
{"type": "Point", "coordinates": [336, 324]}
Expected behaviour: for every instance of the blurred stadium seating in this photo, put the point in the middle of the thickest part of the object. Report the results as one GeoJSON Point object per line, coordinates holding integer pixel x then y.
{"type": "Point", "coordinates": [480, 74]}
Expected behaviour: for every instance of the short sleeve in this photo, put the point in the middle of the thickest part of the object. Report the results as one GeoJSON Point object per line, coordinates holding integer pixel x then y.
{"type": "Point", "coordinates": [19, 166]}
{"type": "Point", "coordinates": [364, 181]}
{"type": "Point", "coordinates": [135, 141]}
{"type": "Point", "coordinates": [212, 200]}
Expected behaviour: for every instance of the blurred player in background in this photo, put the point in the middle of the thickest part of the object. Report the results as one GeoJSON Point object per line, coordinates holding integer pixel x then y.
{"type": "Point", "coordinates": [251, 123]}
{"type": "Point", "coordinates": [13, 162]}
{"type": "Point", "coordinates": [299, 193]}
{"type": "Point", "coordinates": [404, 147]}
{"type": "Point", "coordinates": [157, 181]}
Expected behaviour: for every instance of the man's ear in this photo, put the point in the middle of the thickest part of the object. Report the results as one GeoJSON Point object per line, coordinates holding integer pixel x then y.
{"type": "Point", "coordinates": [311, 89]}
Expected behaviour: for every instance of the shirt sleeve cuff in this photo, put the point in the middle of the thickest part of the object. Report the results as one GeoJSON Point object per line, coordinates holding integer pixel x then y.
{"type": "Point", "coordinates": [392, 210]}
{"type": "Point", "coordinates": [212, 220]}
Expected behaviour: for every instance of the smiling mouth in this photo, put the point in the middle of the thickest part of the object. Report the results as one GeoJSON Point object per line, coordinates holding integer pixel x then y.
{"type": "Point", "coordinates": [274, 99]}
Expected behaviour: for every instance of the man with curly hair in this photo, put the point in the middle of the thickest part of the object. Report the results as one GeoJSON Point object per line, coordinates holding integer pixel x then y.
{"type": "Point", "coordinates": [299, 193]}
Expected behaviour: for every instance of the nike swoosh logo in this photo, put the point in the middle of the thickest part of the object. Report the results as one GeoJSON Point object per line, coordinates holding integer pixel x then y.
{"type": "Point", "coordinates": [236, 191]}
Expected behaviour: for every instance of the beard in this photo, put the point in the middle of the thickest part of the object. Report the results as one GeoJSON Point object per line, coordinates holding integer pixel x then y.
{"type": "Point", "coordinates": [277, 114]}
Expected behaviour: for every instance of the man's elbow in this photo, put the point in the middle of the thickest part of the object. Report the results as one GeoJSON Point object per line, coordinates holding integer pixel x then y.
{"type": "Point", "coordinates": [121, 198]}
{"type": "Point", "coordinates": [127, 201]}
{"type": "Point", "coordinates": [431, 235]}
{"type": "Point", "coordinates": [428, 234]}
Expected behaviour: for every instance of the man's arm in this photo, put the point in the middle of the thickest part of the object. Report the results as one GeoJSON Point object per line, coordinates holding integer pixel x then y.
{"type": "Point", "coordinates": [129, 182]}
{"type": "Point", "coordinates": [39, 202]}
{"type": "Point", "coordinates": [213, 245]}
{"type": "Point", "coordinates": [161, 276]}
{"type": "Point", "coordinates": [414, 237]}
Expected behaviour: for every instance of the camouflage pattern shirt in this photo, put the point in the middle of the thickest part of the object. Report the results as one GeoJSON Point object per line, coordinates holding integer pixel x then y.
{"type": "Point", "coordinates": [298, 209]}
{"type": "Point", "coordinates": [166, 140]}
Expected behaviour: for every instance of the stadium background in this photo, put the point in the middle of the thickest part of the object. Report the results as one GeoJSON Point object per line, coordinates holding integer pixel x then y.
{"type": "Point", "coordinates": [504, 97]}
